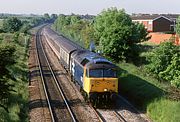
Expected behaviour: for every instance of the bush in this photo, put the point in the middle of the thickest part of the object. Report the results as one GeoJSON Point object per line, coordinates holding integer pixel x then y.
{"type": "Point", "coordinates": [172, 72]}
{"type": "Point", "coordinates": [164, 63]}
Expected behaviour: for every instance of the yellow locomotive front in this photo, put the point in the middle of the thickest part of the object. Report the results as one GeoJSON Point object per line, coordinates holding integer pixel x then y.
{"type": "Point", "coordinates": [100, 82]}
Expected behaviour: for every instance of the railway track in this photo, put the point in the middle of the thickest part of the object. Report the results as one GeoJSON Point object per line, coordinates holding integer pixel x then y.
{"type": "Point", "coordinates": [57, 103]}
{"type": "Point", "coordinates": [125, 113]}
{"type": "Point", "coordinates": [98, 115]}
{"type": "Point", "coordinates": [129, 112]}
{"type": "Point", "coordinates": [113, 113]}
{"type": "Point", "coordinates": [118, 115]}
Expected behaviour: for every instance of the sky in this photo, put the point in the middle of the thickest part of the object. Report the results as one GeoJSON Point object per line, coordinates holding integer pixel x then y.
{"type": "Point", "coordinates": [92, 7]}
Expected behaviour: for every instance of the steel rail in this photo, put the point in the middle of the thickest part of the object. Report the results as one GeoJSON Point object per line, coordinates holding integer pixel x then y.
{"type": "Point", "coordinates": [101, 119]}
{"type": "Point", "coordinates": [119, 116]}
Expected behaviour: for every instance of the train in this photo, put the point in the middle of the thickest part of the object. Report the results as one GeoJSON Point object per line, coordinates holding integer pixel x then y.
{"type": "Point", "coordinates": [94, 74]}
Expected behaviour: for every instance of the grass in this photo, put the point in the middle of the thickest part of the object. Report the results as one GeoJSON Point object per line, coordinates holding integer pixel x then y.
{"type": "Point", "coordinates": [164, 110]}
{"type": "Point", "coordinates": [147, 94]}
{"type": "Point", "coordinates": [134, 86]}
{"type": "Point", "coordinates": [18, 100]}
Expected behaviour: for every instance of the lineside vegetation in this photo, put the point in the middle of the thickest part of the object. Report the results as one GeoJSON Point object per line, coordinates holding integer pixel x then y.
{"type": "Point", "coordinates": [14, 43]}
{"type": "Point", "coordinates": [14, 80]}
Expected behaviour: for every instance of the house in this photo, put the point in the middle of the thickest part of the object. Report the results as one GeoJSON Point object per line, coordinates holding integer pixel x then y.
{"type": "Point", "coordinates": [156, 22]}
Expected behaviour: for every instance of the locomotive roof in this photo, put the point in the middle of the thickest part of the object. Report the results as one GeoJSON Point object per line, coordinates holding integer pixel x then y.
{"type": "Point", "coordinates": [100, 66]}
{"type": "Point", "coordinates": [91, 60]}
{"type": "Point", "coordinates": [79, 55]}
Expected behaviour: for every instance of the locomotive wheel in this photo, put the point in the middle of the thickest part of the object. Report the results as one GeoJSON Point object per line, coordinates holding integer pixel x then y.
{"type": "Point", "coordinates": [93, 103]}
{"type": "Point", "coordinates": [85, 95]}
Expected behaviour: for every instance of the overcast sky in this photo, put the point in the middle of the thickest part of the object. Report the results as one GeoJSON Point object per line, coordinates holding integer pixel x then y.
{"type": "Point", "coordinates": [87, 6]}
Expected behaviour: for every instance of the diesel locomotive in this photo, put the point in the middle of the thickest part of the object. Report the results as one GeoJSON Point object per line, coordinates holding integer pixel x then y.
{"type": "Point", "coordinates": [96, 76]}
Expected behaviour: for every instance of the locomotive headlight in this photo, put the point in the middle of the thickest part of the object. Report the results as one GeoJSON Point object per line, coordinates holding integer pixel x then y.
{"type": "Point", "coordinates": [105, 90]}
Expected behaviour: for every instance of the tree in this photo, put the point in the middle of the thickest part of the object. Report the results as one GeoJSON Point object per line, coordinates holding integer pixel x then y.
{"type": "Point", "coordinates": [61, 22]}
{"type": "Point", "coordinates": [87, 34]}
{"type": "Point", "coordinates": [75, 19]}
{"type": "Point", "coordinates": [178, 26]}
{"type": "Point", "coordinates": [75, 28]}
{"type": "Point", "coordinates": [7, 56]}
{"type": "Point", "coordinates": [54, 16]}
{"type": "Point", "coordinates": [36, 21]}
{"type": "Point", "coordinates": [25, 28]}
{"type": "Point", "coordinates": [46, 17]}
{"type": "Point", "coordinates": [12, 24]}
{"type": "Point", "coordinates": [115, 33]}
{"type": "Point", "coordinates": [139, 33]}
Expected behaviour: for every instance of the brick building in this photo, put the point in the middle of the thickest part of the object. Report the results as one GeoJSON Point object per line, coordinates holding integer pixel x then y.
{"type": "Point", "coordinates": [156, 22]}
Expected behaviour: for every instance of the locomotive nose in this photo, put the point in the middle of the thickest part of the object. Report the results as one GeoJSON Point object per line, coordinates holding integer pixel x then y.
{"type": "Point", "coordinates": [104, 84]}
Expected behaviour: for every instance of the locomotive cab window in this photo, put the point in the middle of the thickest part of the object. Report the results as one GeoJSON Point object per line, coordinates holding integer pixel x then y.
{"type": "Point", "coordinates": [96, 73]}
{"type": "Point", "coordinates": [110, 73]}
